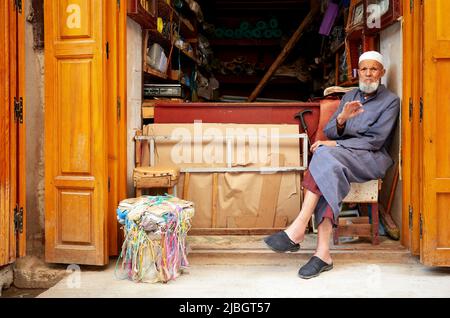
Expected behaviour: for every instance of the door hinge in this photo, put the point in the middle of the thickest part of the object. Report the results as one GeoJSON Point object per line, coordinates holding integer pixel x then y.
{"type": "Point", "coordinates": [18, 109]}
{"type": "Point", "coordinates": [410, 109]}
{"type": "Point", "coordinates": [18, 5]}
{"type": "Point", "coordinates": [107, 50]}
{"type": "Point", "coordinates": [410, 217]}
{"type": "Point", "coordinates": [18, 219]}
{"type": "Point", "coordinates": [421, 109]}
{"type": "Point", "coordinates": [109, 184]}
{"type": "Point", "coordinates": [118, 108]}
{"type": "Point", "coordinates": [421, 225]}
{"type": "Point", "coordinates": [411, 6]}
{"type": "Point", "coordinates": [118, 4]}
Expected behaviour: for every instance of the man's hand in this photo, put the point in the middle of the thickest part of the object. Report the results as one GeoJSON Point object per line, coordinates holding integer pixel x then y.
{"type": "Point", "coordinates": [317, 144]}
{"type": "Point", "coordinates": [350, 110]}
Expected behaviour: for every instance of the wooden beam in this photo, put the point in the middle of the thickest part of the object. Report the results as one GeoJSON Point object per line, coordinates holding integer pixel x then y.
{"type": "Point", "coordinates": [286, 50]}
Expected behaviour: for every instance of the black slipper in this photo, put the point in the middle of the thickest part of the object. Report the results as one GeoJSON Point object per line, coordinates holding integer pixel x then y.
{"type": "Point", "coordinates": [313, 268]}
{"type": "Point", "coordinates": [280, 243]}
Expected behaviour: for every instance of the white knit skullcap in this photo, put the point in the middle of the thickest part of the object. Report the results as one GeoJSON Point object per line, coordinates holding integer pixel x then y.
{"type": "Point", "coordinates": [371, 55]}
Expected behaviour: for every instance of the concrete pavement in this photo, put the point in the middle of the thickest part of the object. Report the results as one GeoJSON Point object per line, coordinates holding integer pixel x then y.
{"type": "Point", "coordinates": [347, 279]}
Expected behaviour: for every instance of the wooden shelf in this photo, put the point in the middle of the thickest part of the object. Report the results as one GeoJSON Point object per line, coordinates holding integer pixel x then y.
{"type": "Point", "coordinates": [244, 42]}
{"type": "Point", "coordinates": [188, 54]}
{"type": "Point", "coordinates": [144, 18]}
{"type": "Point", "coordinates": [169, 76]}
{"type": "Point", "coordinates": [151, 71]}
{"type": "Point", "coordinates": [187, 30]}
{"type": "Point", "coordinates": [157, 37]}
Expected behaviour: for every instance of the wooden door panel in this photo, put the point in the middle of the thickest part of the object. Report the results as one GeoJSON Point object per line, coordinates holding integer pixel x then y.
{"type": "Point", "coordinates": [75, 122]}
{"type": "Point", "coordinates": [12, 132]}
{"type": "Point", "coordinates": [75, 219]}
{"type": "Point", "coordinates": [75, 151]}
{"type": "Point", "coordinates": [435, 243]}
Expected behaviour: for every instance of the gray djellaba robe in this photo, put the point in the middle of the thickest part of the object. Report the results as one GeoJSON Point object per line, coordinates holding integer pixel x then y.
{"type": "Point", "coordinates": [361, 153]}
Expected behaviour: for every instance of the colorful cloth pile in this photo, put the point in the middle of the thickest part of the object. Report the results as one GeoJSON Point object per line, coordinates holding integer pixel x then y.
{"type": "Point", "coordinates": [155, 230]}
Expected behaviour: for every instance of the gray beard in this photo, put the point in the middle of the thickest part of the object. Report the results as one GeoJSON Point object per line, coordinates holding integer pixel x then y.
{"type": "Point", "coordinates": [368, 88]}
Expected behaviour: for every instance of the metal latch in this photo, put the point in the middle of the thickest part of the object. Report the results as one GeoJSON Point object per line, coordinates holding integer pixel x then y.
{"type": "Point", "coordinates": [107, 50]}
{"type": "Point", "coordinates": [410, 217]}
{"type": "Point", "coordinates": [118, 108]}
{"type": "Point", "coordinates": [410, 108]}
{"type": "Point", "coordinates": [18, 5]}
{"type": "Point", "coordinates": [18, 109]}
{"type": "Point", "coordinates": [18, 219]}
{"type": "Point", "coordinates": [421, 226]}
{"type": "Point", "coordinates": [421, 109]}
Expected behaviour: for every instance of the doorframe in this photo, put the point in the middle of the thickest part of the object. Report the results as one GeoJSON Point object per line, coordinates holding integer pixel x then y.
{"type": "Point", "coordinates": [21, 170]}
{"type": "Point", "coordinates": [116, 34]}
{"type": "Point", "coordinates": [411, 128]}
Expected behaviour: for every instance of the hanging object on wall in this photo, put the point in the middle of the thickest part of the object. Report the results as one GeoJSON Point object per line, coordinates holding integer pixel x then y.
{"type": "Point", "coordinates": [329, 18]}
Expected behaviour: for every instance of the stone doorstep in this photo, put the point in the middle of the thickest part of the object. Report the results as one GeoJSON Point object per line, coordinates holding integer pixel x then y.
{"type": "Point", "coordinates": [32, 272]}
{"type": "Point", "coordinates": [210, 250]}
{"type": "Point", "coordinates": [267, 257]}
{"type": "Point", "coordinates": [6, 277]}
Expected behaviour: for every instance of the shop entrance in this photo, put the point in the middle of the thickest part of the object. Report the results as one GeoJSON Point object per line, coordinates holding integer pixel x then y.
{"type": "Point", "coordinates": [88, 112]}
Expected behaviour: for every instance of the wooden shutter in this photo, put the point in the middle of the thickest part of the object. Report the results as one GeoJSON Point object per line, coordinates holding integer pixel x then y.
{"type": "Point", "coordinates": [75, 132]}
{"type": "Point", "coordinates": [12, 132]}
{"type": "Point", "coordinates": [435, 242]}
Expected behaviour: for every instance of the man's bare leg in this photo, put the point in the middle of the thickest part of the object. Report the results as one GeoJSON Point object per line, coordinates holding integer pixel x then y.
{"type": "Point", "coordinates": [324, 232]}
{"type": "Point", "coordinates": [296, 231]}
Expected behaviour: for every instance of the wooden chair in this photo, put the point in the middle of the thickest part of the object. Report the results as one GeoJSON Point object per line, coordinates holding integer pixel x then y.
{"type": "Point", "coordinates": [362, 193]}
{"type": "Point", "coordinates": [156, 177]}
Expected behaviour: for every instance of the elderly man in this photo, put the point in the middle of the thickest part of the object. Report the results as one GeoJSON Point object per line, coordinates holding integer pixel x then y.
{"type": "Point", "coordinates": [358, 133]}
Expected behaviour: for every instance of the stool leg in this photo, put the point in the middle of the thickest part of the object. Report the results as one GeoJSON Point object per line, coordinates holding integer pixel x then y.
{"type": "Point", "coordinates": [375, 223]}
{"type": "Point", "coordinates": [336, 236]}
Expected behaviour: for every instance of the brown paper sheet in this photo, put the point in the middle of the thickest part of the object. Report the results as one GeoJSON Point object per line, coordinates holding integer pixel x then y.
{"type": "Point", "coordinates": [244, 200]}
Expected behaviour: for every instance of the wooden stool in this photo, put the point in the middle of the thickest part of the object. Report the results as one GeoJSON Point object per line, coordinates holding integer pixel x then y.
{"type": "Point", "coordinates": [367, 193]}
{"type": "Point", "coordinates": [156, 177]}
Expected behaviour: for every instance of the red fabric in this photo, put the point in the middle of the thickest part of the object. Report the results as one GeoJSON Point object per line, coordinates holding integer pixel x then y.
{"type": "Point", "coordinates": [327, 108]}
{"type": "Point", "coordinates": [310, 184]}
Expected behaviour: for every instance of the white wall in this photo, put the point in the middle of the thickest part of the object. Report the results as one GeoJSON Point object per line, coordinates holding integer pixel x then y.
{"type": "Point", "coordinates": [391, 46]}
{"type": "Point", "coordinates": [134, 94]}
{"type": "Point", "coordinates": [34, 93]}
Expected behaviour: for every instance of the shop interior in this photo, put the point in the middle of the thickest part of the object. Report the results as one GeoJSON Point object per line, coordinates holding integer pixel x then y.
{"type": "Point", "coordinates": [253, 64]}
